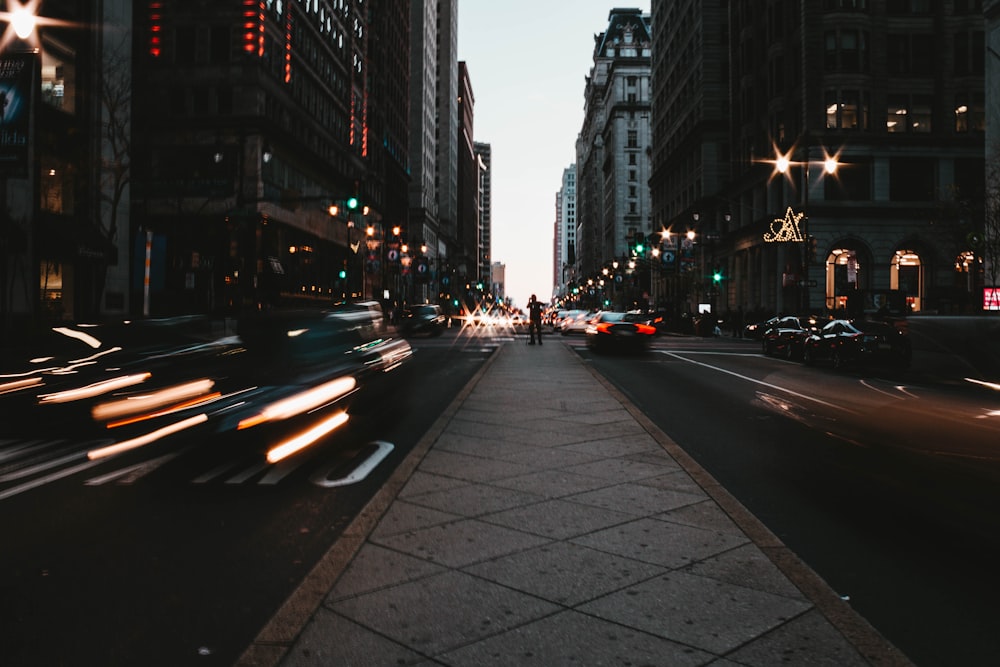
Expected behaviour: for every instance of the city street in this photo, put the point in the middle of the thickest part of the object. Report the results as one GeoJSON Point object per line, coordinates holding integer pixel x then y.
{"type": "Point", "coordinates": [178, 553]}
{"type": "Point", "coordinates": [885, 484]}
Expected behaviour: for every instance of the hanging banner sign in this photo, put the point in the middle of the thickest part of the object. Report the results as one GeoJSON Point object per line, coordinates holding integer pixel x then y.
{"type": "Point", "coordinates": [17, 86]}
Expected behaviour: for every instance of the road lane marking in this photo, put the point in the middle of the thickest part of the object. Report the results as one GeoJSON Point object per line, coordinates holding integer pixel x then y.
{"type": "Point", "coordinates": [131, 474]}
{"type": "Point", "coordinates": [41, 481]}
{"type": "Point", "coordinates": [756, 381]}
{"type": "Point", "coordinates": [382, 450]}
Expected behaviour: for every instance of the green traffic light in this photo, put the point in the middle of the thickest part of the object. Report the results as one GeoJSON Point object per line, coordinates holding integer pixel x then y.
{"type": "Point", "coordinates": [352, 203]}
{"type": "Point", "coordinates": [639, 247]}
{"type": "Point", "coordinates": [343, 274]}
{"type": "Point", "coordinates": [716, 277]}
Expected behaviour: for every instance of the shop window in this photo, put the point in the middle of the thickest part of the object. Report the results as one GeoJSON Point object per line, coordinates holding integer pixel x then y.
{"type": "Point", "coordinates": [58, 83]}
{"type": "Point", "coordinates": [906, 275]}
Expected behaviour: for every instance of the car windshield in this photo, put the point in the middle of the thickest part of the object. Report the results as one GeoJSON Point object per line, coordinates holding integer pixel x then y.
{"type": "Point", "coordinates": [424, 310]}
{"type": "Point", "coordinates": [613, 317]}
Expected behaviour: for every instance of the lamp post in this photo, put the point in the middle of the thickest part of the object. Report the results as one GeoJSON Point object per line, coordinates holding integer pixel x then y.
{"type": "Point", "coordinates": [18, 85]}
{"type": "Point", "coordinates": [783, 164]}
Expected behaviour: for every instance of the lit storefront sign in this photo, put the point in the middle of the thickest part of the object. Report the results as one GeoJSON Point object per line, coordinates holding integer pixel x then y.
{"type": "Point", "coordinates": [786, 229]}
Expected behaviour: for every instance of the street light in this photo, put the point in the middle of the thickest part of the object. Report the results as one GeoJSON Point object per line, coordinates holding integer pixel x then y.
{"type": "Point", "coordinates": [783, 164]}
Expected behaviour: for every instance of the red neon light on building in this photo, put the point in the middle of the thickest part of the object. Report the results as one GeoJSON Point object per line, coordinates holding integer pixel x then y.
{"type": "Point", "coordinates": [253, 27]}
{"type": "Point", "coordinates": [155, 28]}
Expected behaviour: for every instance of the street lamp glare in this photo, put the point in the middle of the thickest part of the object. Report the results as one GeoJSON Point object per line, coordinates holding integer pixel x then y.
{"type": "Point", "coordinates": [782, 164]}
{"type": "Point", "coordinates": [830, 165]}
{"type": "Point", "coordinates": [23, 21]}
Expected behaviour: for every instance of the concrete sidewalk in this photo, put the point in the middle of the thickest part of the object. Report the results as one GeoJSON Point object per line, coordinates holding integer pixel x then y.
{"type": "Point", "coordinates": [545, 521]}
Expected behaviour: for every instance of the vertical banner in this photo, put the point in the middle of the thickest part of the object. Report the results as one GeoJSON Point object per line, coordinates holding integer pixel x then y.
{"type": "Point", "coordinates": [17, 82]}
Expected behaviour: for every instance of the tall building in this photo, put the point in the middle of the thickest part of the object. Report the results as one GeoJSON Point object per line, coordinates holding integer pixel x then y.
{"type": "Point", "coordinates": [498, 282]}
{"type": "Point", "coordinates": [690, 126]}
{"type": "Point", "coordinates": [63, 181]}
{"type": "Point", "coordinates": [892, 92]}
{"type": "Point", "coordinates": [613, 164]}
{"type": "Point", "coordinates": [247, 131]}
{"type": "Point", "coordinates": [991, 209]}
{"type": "Point", "coordinates": [485, 158]}
{"type": "Point", "coordinates": [564, 251]}
{"type": "Point", "coordinates": [433, 100]}
{"type": "Point", "coordinates": [465, 258]}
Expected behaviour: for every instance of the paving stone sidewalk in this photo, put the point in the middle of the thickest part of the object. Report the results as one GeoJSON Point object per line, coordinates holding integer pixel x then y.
{"type": "Point", "coordinates": [545, 521]}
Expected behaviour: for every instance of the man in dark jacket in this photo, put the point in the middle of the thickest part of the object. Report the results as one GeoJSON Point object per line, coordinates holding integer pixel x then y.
{"type": "Point", "coordinates": [534, 319]}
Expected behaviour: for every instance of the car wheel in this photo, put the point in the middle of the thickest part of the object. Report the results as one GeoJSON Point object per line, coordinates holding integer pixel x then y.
{"type": "Point", "coordinates": [787, 352]}
{"type": "Point", "coordinates": [807, 356]}
{"type": "Point", "coordinates": [839, 361]}
{"type": "Point", "coordinates": [764, 349]}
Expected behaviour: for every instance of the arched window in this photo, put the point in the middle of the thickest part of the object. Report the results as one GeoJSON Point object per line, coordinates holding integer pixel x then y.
{"type": "Point", "coordinates": [906, 275]}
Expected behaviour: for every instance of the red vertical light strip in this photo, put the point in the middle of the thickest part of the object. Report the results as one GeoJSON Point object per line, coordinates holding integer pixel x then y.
{"type": "Point", "coordinates": [155, 29]}
{"type": "Point", "coordinates": [288, 42]}
{"type": "Point", "coordinates": [364, 126]}
{"type": "Point", "coordinates": [253, 27]}
{"type": "Point", "coordinates": [354, 116]}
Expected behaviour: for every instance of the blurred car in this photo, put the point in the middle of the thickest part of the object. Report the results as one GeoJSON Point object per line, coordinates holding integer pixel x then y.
{"type": "Point", "coordinates": [556, 319]}
{"type": "Point", "coordinates": [288, 377]}
{"type": "Point", "coordinates": [427, 318]}
{"type": "Point", "coordinates": [755, 330]}
{"type": "Point", "coordinates": [110, 382]}
{"type": "Point", "coordinates": [574, 321]}
{"type": "Point", "coordinates": [610, 331]}
{"type": "Point", "coordinates": [786, 337]}
{"type": "Point", "coordinates": [847, 342]}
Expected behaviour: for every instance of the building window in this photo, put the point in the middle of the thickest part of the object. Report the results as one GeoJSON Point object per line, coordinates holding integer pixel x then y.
{"type": "Point", "coordinates": [633, 139]}
{"type": "Point", "coordinates": [847, 110]}
{"type": "Point", "coordinates": [912, 179]}
{"type": "Point", "coordinates": [58, 79]}
{"type": "Point", "coordinates": [845, 5]}
{"type": "Point", "coordinates": [920, 113]}
{"type": "Point", "coordinates": [852, 182]}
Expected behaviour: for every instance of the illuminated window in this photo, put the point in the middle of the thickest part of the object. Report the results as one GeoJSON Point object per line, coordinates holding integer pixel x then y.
{"type": "Point", "coordinates": [58, 77]}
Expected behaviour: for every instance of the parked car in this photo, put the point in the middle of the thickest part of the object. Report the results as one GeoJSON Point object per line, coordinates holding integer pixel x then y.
{"type": "Point", "coordinates": [755, 330]}
{"type": "Point", "coordinates": [847, 342]}
{"type": "Point", "coordinates": [574, 321]}
{"type": "Point", "coordinates": [786, 337]}
{"type": "Point", "coordinates": [610, 331]}
{"type": "Point", "coordinates": [426, 318]}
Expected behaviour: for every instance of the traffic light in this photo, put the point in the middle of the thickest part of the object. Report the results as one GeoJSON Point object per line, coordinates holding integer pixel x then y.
{"type": "Point", "coordinates": [352, 203]}
{"type": "Point", "coordinates": [342, 274]}
{"type": "Point", "coordinates": [717, 275]}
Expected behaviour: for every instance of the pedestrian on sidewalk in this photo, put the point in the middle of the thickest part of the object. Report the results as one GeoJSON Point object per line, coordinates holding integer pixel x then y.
{"type": "Point", "coordinates": [534, 319]}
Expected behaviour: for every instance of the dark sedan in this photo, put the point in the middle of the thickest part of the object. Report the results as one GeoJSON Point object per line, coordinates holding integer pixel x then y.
{"type": "Point", "coordinates": [786, 336]}
{"type": "Point", "coordinates": [426, 318]}
{"type": "Point", "coordinates": [858, 342]}
{"type": "Point", "coordinates": [608, 331]}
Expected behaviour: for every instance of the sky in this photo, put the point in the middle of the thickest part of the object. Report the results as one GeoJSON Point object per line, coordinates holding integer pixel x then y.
{"type": "Point", "coordinates": [528, 61]}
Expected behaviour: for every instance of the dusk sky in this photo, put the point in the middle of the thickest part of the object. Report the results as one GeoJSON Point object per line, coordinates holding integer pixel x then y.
{"type": "Point", "coordinates": [528, 61]}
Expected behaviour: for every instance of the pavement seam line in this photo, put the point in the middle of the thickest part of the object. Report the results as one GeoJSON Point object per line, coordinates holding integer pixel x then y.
{"type": "Point", "coordinates": [855, 629]}
{"type": "Point", "coordinates": [280, 633]}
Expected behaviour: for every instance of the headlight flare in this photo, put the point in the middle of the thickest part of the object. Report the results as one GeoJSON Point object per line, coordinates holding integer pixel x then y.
{"type": "Point", "coordinates": [303, 440]}
{"type": "Point", "coordinates": [142, 440]}
{"type": "Point", "coordinates": [95, 389]}
{"type": "Point", "coordinates": [302, 402]}
{"type": "Point", "coordinates": [149, 402]}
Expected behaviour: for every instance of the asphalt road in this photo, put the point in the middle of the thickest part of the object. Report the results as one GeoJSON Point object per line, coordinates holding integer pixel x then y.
{"type": "Point", "coordinates": [179, 555]}
{"type": "Point", "coordinates": [886, 484]}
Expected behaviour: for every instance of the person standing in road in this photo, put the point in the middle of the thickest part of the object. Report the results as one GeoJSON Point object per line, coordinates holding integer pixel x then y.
{"type": "Point", "coordinates": [534, 319]}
